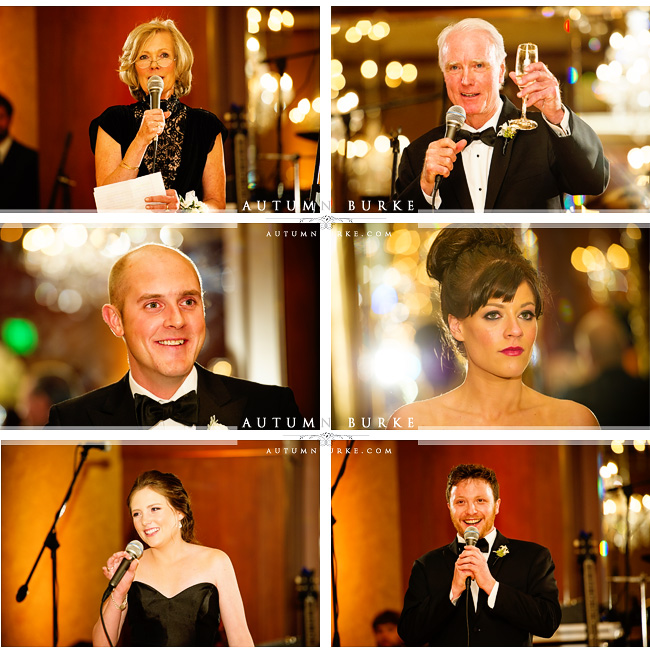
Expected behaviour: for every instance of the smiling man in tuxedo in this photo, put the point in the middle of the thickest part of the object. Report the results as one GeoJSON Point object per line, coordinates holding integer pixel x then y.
{"type": "Point", "coordinates": [483, 171]}
{"type": "Point", "coordinates": [156, 307]}
{"type": "Point", "coordinates": [513, 590]}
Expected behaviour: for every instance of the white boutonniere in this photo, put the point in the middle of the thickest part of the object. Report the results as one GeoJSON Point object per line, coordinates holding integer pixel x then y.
{"type": "Point", "coordinates": [504, 550]}
{"type": "Point", "coordinates": [507, 131]}
{"type": "Point", "coordinates": [191, 204]}
{"type": "Point", "coordinates": [215, 424]}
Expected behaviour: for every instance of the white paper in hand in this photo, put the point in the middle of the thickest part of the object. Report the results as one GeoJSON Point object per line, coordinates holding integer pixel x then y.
{"type": "Point", "coordinates": [129, 196]}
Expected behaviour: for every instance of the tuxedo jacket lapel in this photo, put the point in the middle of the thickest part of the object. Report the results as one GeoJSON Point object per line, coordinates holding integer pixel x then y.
{"type": "Point", "coordinates": [216, 400]}
{"type": "Point", "coordinates": [494, 561]}
{"type": "Point", "coordinates": [118, 409]}
{"type": "Point", "coordinates": [453, 553]}
{"type": "Point", "coordinates": [500, 161]}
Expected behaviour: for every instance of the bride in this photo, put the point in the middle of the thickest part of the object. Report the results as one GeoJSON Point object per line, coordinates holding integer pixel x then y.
{"type": "Point", "coordinates": [491, 299]}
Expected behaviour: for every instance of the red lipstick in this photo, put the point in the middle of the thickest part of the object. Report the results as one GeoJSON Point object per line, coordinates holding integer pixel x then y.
{"type": "Point", "coordinates": [512, 352]}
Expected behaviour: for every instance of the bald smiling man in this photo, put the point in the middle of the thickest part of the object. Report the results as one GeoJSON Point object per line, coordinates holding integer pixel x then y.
{"type": "Point", "coordinates": [156, 307]}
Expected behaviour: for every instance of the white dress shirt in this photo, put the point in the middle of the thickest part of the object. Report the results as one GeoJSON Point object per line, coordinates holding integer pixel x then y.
{"type": "Point", "coordinates": [5, 145]}
{"type": "Point", "coordinates": [477, 157]}
{"type": "Point", "coordinates": [492, 598]}
{"type": "Point", "coordinates": [190, 384]}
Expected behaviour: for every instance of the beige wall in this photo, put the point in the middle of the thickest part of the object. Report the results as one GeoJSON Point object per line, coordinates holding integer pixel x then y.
{"type": "Point", "coordinates": [35, 479]}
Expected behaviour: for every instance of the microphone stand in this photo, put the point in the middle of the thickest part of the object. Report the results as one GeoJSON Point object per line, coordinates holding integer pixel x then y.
{"type": "Point", "coordinates": [628, 491]}
{"type": "Point", "coordinates": [62, 180]}
{"type": "Point", "coordinates": [52, 543]}
{"type": "Point", "coordinates": [336, 639]}
{"type": "Point", "coordinates": [281, 64]}
{"type": "Point", "coordinates": [394, 144]}
{"type": "Point", "coordinates": [315, 185]}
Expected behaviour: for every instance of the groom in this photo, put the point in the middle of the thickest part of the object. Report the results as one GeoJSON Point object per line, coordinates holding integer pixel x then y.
{"type": "Point", "coordinates": [513, 590]}
{"type": "Point", "coordinates": [156, 307]}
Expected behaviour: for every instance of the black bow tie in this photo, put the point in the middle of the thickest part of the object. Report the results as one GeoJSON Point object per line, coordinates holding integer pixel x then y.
{"type": "Point", "coordinates": [184, 410]}
{"type": "Point", "coordinates": [482, 545]}
{"type": "Point", "coordinates": [488, 136]}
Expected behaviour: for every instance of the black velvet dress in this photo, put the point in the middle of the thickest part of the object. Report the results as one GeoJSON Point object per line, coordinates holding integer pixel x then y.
{"type": "Point", "coordinates": [183, 146]}
{"type": "Point", "coordinates": [190, 618]}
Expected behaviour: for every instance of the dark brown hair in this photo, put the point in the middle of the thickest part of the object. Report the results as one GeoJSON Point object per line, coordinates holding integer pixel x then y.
{"type": "Point", "coordinates": [474, 265]}
{"type": "Point", "coordinates": [169, 486]}
{"type": "Point", "coordinates": [387, 616]}
{"type": "Point", "coordinates": [472, 472]}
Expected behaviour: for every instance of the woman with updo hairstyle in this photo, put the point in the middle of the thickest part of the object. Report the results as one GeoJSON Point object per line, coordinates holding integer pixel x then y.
{"type": "Point", "coordinates": [491, 298]}
{"type": "Point", "coordinates": [185, 144]}
{"type": "Point", "coordinates": [176, 593]}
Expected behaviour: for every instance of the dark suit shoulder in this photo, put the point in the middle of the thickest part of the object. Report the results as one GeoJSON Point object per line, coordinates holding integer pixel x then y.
{"type": "Point", "coordinates": [432, 557]}
{"type": "Point", "coordinates": [238, 386]}
{"type": "Point", "coordinates": [522, 546]}
{"type": "Point", "coordinates": [23, 150]}
{"type": "Point", "coordinates": [76, 410]}
{"type": "Point", "coordinates": [253, 405]}
{"type": "Point", "coordinates": [421, 143]}
{"type": "Point", "coordinates": [246, 384]}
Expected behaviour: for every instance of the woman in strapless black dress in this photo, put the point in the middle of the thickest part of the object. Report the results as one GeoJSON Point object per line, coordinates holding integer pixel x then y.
{"type": "Point", "coordinates": [189, 150]}
{"type": "Point", "coordinates": [178, 590]}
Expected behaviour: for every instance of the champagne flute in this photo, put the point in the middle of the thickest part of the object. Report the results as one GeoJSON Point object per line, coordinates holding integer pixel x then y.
{"type": "Point", "coordinates": [526, 54]}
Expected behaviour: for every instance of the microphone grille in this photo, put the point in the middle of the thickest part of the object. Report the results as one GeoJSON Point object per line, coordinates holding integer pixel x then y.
{"type": "Point", "coordinates": [455, 115]}
{"type": "Point", "coordinates": [471, 535]}
{"type": "Point", "coordinates": [135, 548]}
{"type": "Point", "coordinates": [155, 83]}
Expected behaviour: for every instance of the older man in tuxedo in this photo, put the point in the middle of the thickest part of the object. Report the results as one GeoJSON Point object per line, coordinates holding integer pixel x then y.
{"type": "Point", "coordinates": [156, 306]}
{"type": "Point", "coordinates": [483, 170]}
{"type": "Point", "coordinates": [18, 167]}
{"type": "Point", "coordinates": [513, 593]}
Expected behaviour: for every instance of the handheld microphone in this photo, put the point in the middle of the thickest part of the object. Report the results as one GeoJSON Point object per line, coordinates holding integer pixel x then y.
{"type": "Point", "coordinates": [135, 550]}
{"type": "Point", "coordinates": [471, 536]}
{"type": "Point", "coordinates": [155, 86]}
{"type": "Point", "coordinates": [455, 119]}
